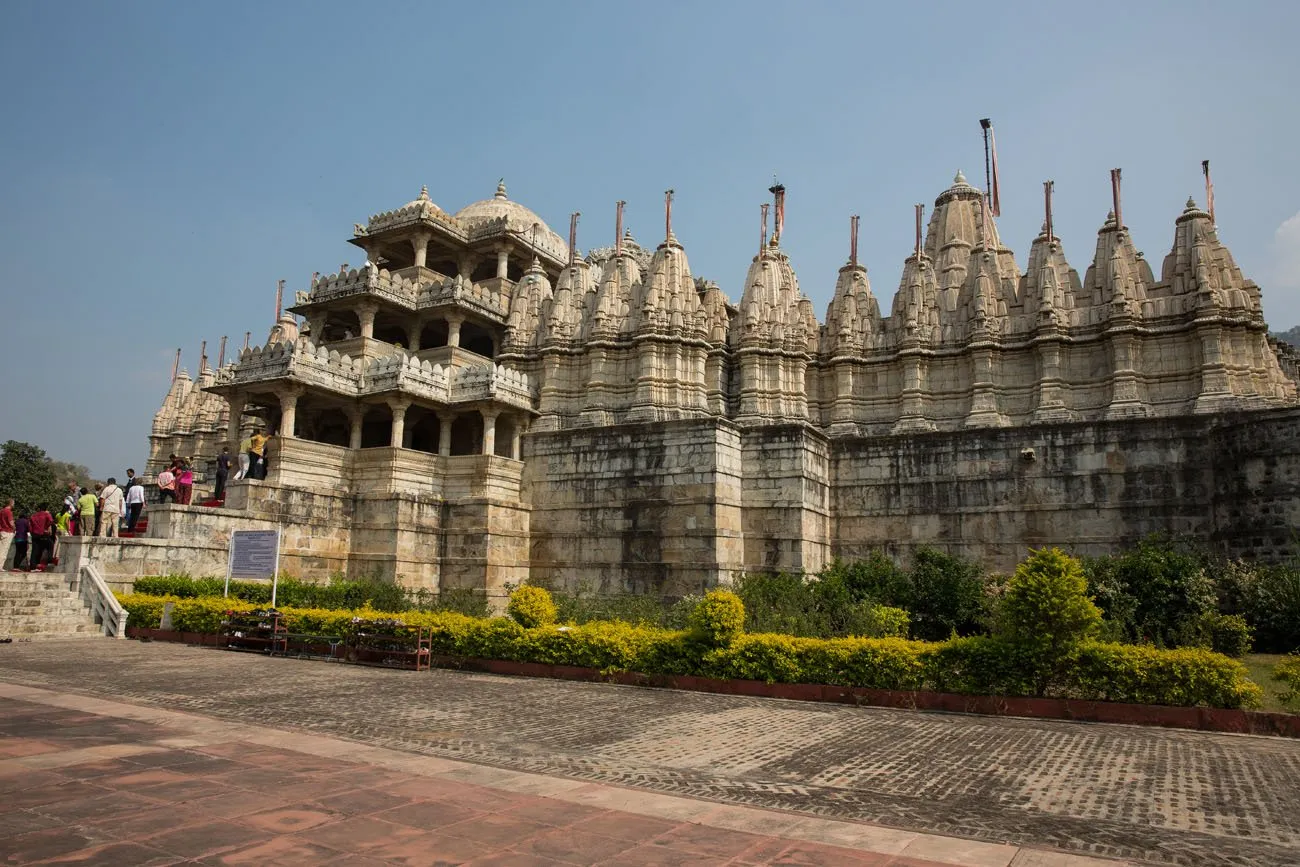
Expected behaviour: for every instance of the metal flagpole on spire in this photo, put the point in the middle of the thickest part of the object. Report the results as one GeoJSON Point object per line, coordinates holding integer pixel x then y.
{"type": "Point", "coordinates": [203, 357]}
{"type": "Point", "coordinates": [762, 238]}
{"type": "Point", "coordinates": [853, 240]}
{"type": "Point", "coordinates": [279, 299]}
{"type": "Point", "coordinates": [920, 212]}
{"type": "Point", "coordinates": [668, 214]}
{"type": "Point", "coordinates": [1209, 192]}
{"type": "Point", "coordinates": [221, 354]}
{"type": "Point", "coordinates": [991, 185]}
{"type": "Point", "coordinates": [247, 335]}
{"type": "Point", "coordinates": [573, 236]}
{"type": "Point", "coordinates": [1114, 193]}
{"type": "Point", "coordinates": [778, 211]}
{"type": "Point", "coordinates": [618, 228]}
{"type": "Point", "coordinates": [1048, 186]}
{"type": "Point", "coordinates": [176, 364]}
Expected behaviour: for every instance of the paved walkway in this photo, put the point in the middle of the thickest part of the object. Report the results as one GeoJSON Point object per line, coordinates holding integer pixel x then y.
{"type": "Point", "coordinates": [710, 771]}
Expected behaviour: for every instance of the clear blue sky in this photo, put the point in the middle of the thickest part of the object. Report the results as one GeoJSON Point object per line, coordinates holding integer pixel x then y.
{"type": "Point", "coordinates": [165, 163]}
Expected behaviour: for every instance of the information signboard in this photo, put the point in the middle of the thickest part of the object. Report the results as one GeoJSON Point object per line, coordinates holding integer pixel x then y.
{"type": "Point", "coordinates": [254, 554]}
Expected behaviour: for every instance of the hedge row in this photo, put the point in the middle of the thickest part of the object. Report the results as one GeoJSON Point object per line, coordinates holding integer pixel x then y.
{"type": "Point", "coordinates": [976, 666]}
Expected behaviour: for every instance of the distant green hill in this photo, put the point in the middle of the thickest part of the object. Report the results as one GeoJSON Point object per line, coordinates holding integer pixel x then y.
{"type": "Point", "coordinates": [1291, 335]}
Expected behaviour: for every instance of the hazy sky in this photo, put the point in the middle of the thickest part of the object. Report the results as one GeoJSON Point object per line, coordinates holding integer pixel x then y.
{"type": "Point", "coordinates": [165, 163]}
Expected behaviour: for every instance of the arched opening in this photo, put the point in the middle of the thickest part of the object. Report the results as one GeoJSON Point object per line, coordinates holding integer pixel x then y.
{"type": "Point", "coordinates": [514, 270]}
{"type": "Point", "coordinates": [485, 270]}
{"type": "Point", "coordinates": [323, 424]}
{"type": "Point", "coordinates": [445, 267]}
{"type": "Point", "coordinates": [424, 433]}
{"type": "Point", "coordinates": [505, 437]}
{"type": "Point", "coordinates": [476, 338]}
{"type": "Point", "coordinates": [434, 334]}
{"type": "Point", "coordinates": [339, 325]}
{"type": "Point", "coordinates": [376, 427]}
{"type": "Point", "coordinates": [467, 434]}
{"type": "Point", "coordinates": [390, 329]}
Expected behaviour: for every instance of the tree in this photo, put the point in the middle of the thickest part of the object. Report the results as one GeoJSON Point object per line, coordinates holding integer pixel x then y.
{"type": "Point", "coordinates": [1046, 604]}
{"type": "Point", "coordinates": [27, 476]}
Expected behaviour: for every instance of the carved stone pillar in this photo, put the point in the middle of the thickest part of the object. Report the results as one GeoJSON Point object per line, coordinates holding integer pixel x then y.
{"type": "Point", "coordinates": [235, 403]}
{"type": "Point", "coordinates": [356, 419]}
{"type": "Point", "coordinates": [465, 267]}
{"type": "Point", "coordinates": [413, 335]}
{"type": "Point", "coordinates": [420, 245]}
{"type": "Point", "coordinates": [489, 431]}
{"type": "Point", "coordinates": [316, 324]}
{"type": "Point", "coordinates": [503, 261]}
{"type": "Point", "coordinates": [454, 322]}
{"type": "Point", "coordinates": [516, 437]}
{"type": "Point", "coordinates": [399, 406]}
{"type": "Point", "coordinates": [444, 433]}
{"type": "Point", "coordinates": [288, 412]}
{"type": "Point", "coordinates": [366, 314]}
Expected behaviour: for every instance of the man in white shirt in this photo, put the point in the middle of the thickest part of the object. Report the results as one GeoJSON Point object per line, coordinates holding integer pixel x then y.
{"type": "Point", "coordinates": [111, 503]}
{"type": "Point", "coordinates": [134, 504]}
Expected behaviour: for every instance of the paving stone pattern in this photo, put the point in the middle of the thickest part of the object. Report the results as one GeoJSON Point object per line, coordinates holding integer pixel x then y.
{"type": "Point", "coordinates": [1161, 796]}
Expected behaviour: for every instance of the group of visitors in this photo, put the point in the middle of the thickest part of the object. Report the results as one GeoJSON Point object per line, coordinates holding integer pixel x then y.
{"type": "Point", "coordinates": [254, 452]}
{"type": "Point", "coordinates": [32, 535]}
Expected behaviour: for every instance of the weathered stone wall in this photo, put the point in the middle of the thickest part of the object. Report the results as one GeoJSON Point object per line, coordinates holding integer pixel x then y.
{"type": "Point", "coordinates": [1232, 482]}
{"type": "Point", "coordinates": [651, 508]}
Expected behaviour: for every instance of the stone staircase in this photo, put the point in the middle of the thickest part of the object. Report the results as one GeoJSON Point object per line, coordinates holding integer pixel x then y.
{"type": "Point", "coordinates": [41, 605]}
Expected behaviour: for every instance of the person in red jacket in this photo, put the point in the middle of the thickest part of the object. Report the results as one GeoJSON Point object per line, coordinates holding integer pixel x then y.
{"type": "Point", "coordinates": [41, 527]}
{"type": "Point", "coordinates": [7, 529]}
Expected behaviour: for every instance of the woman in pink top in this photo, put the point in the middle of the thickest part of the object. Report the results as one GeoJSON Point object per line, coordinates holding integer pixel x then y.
{"type": "Point", "coordinates": [167, 484]}
{"type": "Point", "coordinates": [184, 483]}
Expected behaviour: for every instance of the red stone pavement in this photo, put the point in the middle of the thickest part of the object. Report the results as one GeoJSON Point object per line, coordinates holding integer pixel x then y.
{"type": "Point", "coordinates": [92, 782]}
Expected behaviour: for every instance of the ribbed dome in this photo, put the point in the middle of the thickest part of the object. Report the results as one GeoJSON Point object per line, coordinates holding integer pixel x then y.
{"type": "Point", "coordinates": [517, 219]}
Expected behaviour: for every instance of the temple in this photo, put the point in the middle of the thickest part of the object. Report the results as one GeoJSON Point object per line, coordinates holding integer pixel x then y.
{"type": "Point", "coordinates": [480, 404]}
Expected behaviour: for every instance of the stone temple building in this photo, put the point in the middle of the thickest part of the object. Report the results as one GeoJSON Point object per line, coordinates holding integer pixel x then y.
{"type": "Point", "coordinates": [479, 404]}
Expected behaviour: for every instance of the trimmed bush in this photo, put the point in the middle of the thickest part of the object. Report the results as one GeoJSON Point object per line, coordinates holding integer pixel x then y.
{"type": "Point", "coordinates": [1147, 675]}
{"type": "Point", "coordinates": [717, 619]}
{"type": "Point", "coordinates": [1046, 604]}
{"type": "Point", "coordinates": [947, 596]}
{"type": "Point", "coordinates": [531, 606]}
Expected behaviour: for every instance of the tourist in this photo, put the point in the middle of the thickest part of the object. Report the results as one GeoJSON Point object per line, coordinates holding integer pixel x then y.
{"type": "Point", "coordinates": [266, 454]}
{"type": "Point", "coordinates": [87, 504]}
{"type": "Point", "coordinates": [184, 481]}
{"type": "Point", "coordinates": [63, 522]}
{"type": "Point", "coordinates": [70, 499]}
{"type": "Point", "coordinates": [99, 507]}
{"type": "Point", "coordinates": [245, 450]}
{"type": "Point", "coordinates": [6, 532]}
{"type": "Point", "coordinates": [134, 504]}
{"type": "Point", "coordinates": [130, 479]}
{"type": "Point", "coordinates": [20, 544]}
{"type": "Point", "coordinates": [41, 529]}
{"type": "Point", "coordinates": [111, 504]}
{"type": "Point", "coordinates": [256, 444]}
{"type": "Point", "coordinates": [223, 471]}
{"type": "Point", "coordinates": [167, 484]}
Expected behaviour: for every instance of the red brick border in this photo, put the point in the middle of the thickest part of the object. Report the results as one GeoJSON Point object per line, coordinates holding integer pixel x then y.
{"type": "Point", "coordinates": [1198, 718]}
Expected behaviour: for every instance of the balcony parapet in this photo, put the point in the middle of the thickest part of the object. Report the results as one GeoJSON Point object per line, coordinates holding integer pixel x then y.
{"type": "Point", "coordinates": [377, 282]}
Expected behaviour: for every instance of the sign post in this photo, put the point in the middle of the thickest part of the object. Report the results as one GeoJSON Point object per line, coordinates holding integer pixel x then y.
{"type": "Point", "coordinates": [254, 554]}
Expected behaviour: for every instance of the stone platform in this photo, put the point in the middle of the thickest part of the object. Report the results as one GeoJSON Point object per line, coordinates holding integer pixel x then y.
{"type": "Point", "coordinates": [220, 757]}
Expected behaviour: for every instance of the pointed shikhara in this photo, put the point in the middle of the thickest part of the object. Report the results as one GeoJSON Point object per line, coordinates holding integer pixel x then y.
{"type": "Point", "coordinates": [420, 372]}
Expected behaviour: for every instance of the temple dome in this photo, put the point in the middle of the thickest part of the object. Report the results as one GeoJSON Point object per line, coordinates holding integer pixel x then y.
{"type": "Point", "coordinates": [516, 218]}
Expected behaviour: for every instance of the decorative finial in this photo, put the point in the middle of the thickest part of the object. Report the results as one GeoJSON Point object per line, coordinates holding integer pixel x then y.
{"type": "Point", "coordinates": [1191, 204]}
{"type": "Point", "coordinates": [501, 189]}
{"type": "Point", "coordinates": [424, 193]}
{"type": "Point", "coordinates": [959, 178]}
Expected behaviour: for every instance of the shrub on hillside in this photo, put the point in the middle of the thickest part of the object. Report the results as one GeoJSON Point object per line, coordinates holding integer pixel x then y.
{"type": "Point", "coordinates": [531, 606]}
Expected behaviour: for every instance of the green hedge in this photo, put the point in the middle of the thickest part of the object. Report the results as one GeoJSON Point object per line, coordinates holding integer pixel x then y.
{"type": "Point", "coordinates": [973, 666]}
{"type": "Point", "coordinates": [296, 593]}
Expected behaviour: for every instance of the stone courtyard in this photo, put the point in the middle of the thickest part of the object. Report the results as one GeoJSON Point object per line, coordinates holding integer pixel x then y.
{"type": "Point", "coordinates": [194, 755]}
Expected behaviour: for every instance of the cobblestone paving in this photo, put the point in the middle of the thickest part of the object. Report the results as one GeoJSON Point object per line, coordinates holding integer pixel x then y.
{"type": "Point", "coordinates": [1162, 796]}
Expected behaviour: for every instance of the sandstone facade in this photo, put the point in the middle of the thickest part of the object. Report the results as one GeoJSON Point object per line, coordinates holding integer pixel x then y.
{"type": "Point", "coordinates": [479, 404]}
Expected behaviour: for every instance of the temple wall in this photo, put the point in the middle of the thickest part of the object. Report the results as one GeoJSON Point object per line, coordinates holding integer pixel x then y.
{"type": "Point", "coordinates": [1233, 481]}
{"type": "Point", "coordinates": [651, 508]}
{"type": "Point", "coordinates": [785, 504]}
